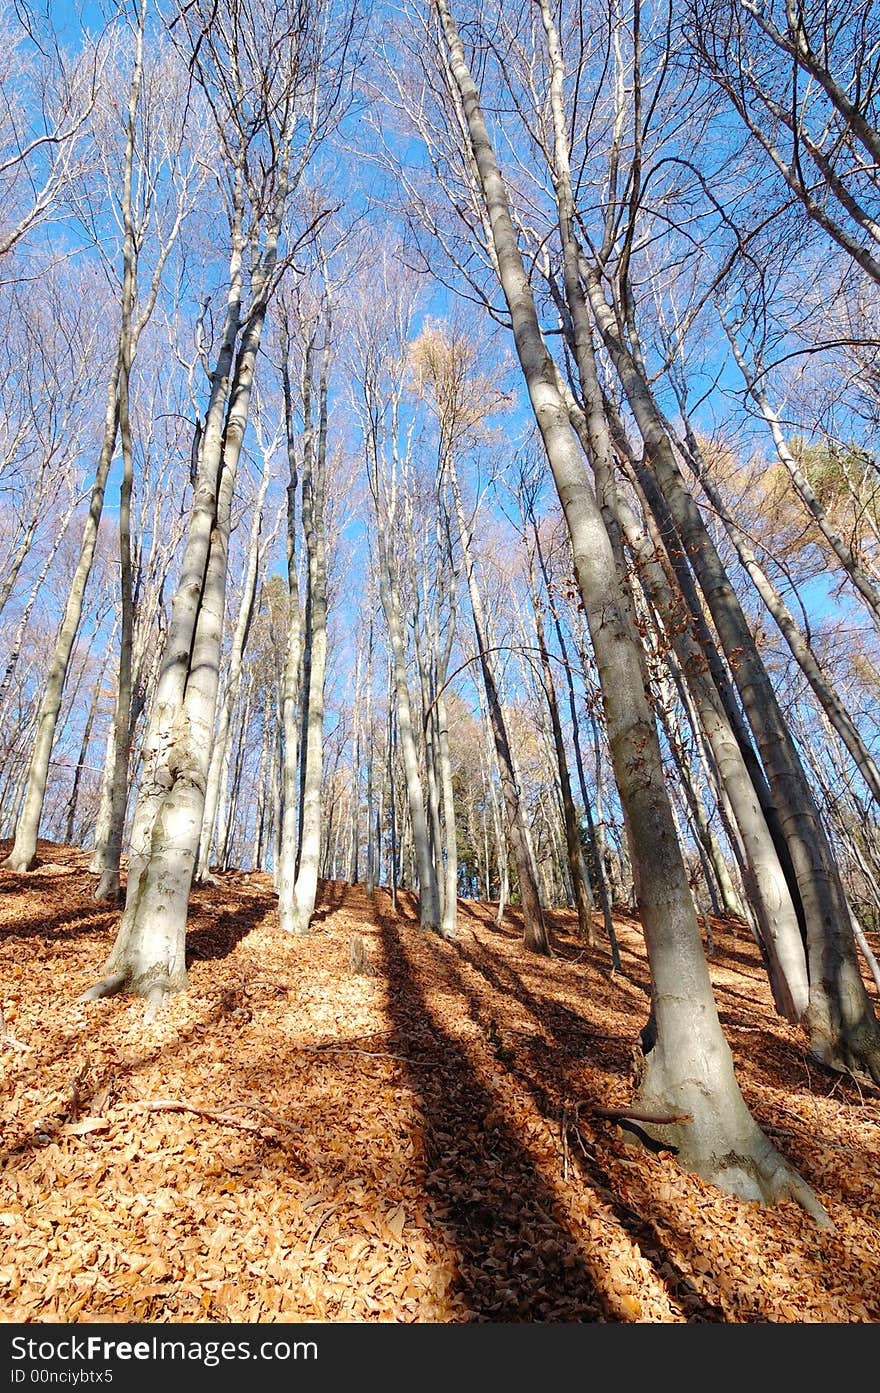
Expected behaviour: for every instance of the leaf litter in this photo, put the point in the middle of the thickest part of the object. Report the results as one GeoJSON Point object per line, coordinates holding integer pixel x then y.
{"type": "Point", "coordinates": [426, 1141]}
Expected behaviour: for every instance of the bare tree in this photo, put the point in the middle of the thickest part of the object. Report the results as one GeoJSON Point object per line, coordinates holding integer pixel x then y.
{"type": "Point", "coordinates": [46, 100]}
{"type": "Point", "coordinates": [316, 370]}
{"type": "Point", "coordinates": [273, 78]}
{"type": "Point", "coordinates": [134, 314]}
{"type": "Point", "coordinates": [462, 398]}
{"type": "Point", "coordinates": [684, 1025]}
{"type": "Point", "coordinates": [380, 377]}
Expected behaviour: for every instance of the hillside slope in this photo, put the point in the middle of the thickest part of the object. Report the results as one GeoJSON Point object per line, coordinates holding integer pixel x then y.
{"type": "Point", "coordinates": [297, 1141]}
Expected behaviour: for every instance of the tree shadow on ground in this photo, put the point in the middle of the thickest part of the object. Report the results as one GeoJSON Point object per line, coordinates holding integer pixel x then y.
{"type": "Point", "coordinates": [531, 1069]}
{"type": "Point", "coordinates": [571, 1031]}
{"type": "Point", "coordinates": [68, 923]}
{"type": "Point", "coordinates": [517, 1258]}
{"type": "Point", "coordinates": [331, 894]}
{"type": "Point", "coordinates": [218, 938]}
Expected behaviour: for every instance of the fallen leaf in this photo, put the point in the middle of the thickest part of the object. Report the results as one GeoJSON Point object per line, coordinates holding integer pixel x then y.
{"type": "Point", "coordinates": [85, 1125]}
{"type": "Point", "coordinates": [395, 1221]}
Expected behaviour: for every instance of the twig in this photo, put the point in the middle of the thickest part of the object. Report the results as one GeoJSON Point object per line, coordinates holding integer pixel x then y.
{"type": "Point", "coordinates": [563, 1136]}
{"type": "Point", "coordinates": [210, 1114]}
{"type": "Point", "coordinates": [266, 1112]}
{"type": "Point", "coordinates": [587, 1150]}
{"type": "Point", "coordinates": [569, 1123]}
{"type": "Point", "coordinates": [75, 1098]}
{"type": "Point", "coordinates": [320, 1224]}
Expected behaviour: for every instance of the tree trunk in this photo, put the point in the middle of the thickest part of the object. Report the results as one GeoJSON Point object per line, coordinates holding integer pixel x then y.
{"type": "Point", "coordinates": [767, 883]}
{"type": "Point", "coordinates": [108, 885]}
{"type": "Point", "coordinates": [800, 649]}
{"type": "Point", "coordinates": [23, 549]}
{"type": "Point", "coordinates": [24, 849]}
{"type": "Point", "coordinates": [535, 934]}
{"type": "Point", "coordinates": [373, 847]}
{"type": "Point", "coordinates": [354, 811]}
{"type": "Point", "coordinates": [689, 1069]}
{"type": "Point", "coordinates": [233, 677]}
{"type": "Point", "coordinates": [429, 906]}
{"type": "Point", "coordinates": [843, 1028]}
{"type": "Point", "coordinates": [22, 856]}
{"type": "Point", "coordinates": [256, 849]}
{"type": "Point", "coordinates": [392, 792]}
{"type": "Point", "coordinates": [286, 874]}
{"type": "Point", "coordinates": [573, 847]}
{"type": "Point", "coordinates": [85, 742]}
{"type": "Point", "coordinates": [450, 896]}
{"type": "Point", "coordinates": [597, 866]}
{"type": "Point", "coordinates": [314, 481]}
{"type": "Point", "coordinates": [21, 626]}
{"type": "Point", "coordinates": [148, 956]}
{"type": "Point", "coordinates": [498, 811]}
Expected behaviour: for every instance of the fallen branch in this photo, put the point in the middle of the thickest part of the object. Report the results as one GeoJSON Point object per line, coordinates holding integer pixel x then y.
{"type": "Point", "coordinates": [175, 1105]}
{"type": "Point", "coordinates": [212, 1116]}
{"type": "Point", "coordinates": [273, 1117]}
{"type": "Point", "coordinates": [802, 1135]}
{"type": "Point", "coordinates": [658, 1119]}
{"type": "Point", "coordinates": [371, 1054]}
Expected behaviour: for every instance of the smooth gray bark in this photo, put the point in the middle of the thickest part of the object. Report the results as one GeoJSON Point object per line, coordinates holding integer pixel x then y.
{"type": "Point", "coordinates": [148, 956]}
{"type": "Point", "coordinates": [233, 676]}
{"type": "Point", "coordinates": [24, 849]}
{"type": "Point", "coordinates": [535, 934]}
{"type": "Point", "coordinates": [429, 903]}
{"type": "Point", "coordinates": [314, 487]}
{"type": "Point", "coordinates": [689, 1069]}
{"type": "Point", "coordinates": [384, 493]}
{"type": "Point", "coordinates": [286, 870]}
{"type": "Point", "coordinates": [580, 889]}
{"type": "Point", "coordinates": [844, 1032]}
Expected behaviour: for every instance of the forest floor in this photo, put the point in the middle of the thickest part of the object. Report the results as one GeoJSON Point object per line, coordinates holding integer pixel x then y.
{"type": "Point", "coordinates": [296, 1141]}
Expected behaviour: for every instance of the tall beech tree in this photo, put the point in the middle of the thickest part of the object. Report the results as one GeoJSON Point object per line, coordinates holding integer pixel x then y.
{"type": "Point", "coordinates": [379, 375]}
{"type": "Point", "coordinates": [462, 398]}
{"type": "Point", "coordinates": [297, 904]}
{"type": "Point", "coordinates": [688, 1070]}
{"type": "Point", "coordinates": [135, 312]}
{"type": "Point", "coordinates": [274, 79]}
{"type": "Point", "coordinates": [658, 679]}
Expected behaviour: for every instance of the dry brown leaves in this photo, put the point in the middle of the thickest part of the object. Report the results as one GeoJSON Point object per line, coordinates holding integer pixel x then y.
{"type": "Point", "coordinates": [293, 1141]}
